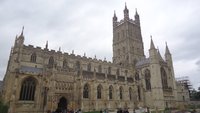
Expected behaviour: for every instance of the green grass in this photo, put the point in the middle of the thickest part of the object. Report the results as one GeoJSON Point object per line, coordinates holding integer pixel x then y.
{"type": "Point", "coordinates": [92, 112]}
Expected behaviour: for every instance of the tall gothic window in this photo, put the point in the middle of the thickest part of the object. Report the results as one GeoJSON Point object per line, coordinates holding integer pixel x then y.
{"type": "Point", "coordinates": [164, 78]}
{"type": "Point", "coordinates": [65, 63]}
{"type": "Point", "coordinates": [78, 66]}
{"type": "Point", "coordinates": [117, 72]}
{"type": "Point", "coordinates": [51, 62]}
{"type": "Point", "coordinates": [100, 69]}
{"type": "Point", "coordinates": [28, 87]}
{"type": "Point", "coordinates": [130, 93]}
{"type": "Point", "coordinates": [137, 76]}
{"type": "Point", "coordinates": [33, 57]}
{"type": "Point", "coordinates": [89, 67]}
{"type": "Point", "coordinates": [109, 70]}
{"type": "Point", "coordinates": [86, 91]}
{"type": "Point", "coordinates": [110, 92]}
{"type": "Point", "coordinates": [147, 79]}
{"type": "Point", "coordinates": [120, 92]}
{"type": "Point", "coordinates": [126, 72]}
{"type": "Point", "coordinates": [99, 92]}
{"type": "Point", "coordinates": [139, 93]}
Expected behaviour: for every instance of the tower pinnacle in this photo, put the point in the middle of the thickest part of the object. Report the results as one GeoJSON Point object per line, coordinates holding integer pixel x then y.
{"type": "Point", "coordinates": [22, 31]}
{"type": "Point", "coordinates": [46, 45]}
{"type": "Point", "coordinates": [152, 44]}
{"type": "Point", "coordinates": [126, 13]}
{"type": "Point", "coordinates": [114, 17]}
{"type": "Point", "coordinates": [167, 49]}
{"type": "Point", "coordinates": [22, 34]}
{"type": "Point", "coordinates": [137, 17]}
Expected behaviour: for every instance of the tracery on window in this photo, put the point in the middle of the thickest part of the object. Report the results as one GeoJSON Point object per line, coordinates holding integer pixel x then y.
{"type": "Point", "coordinates": [86, 91]}
{"type": "Point", "coordinates": [110, 92]}
{"type": "Point", "coordinates": [51, 62]}
{"type": "Point", "coordinates": [28, 88]}
{"type": "Point", "coordinates": [164, 78]}
{"type": "Point", "coordinates": [33, 57]}
{"type": "Point", "coordinates": [148, 79]}
{"type": "Point", "coordinates": [99, 92]}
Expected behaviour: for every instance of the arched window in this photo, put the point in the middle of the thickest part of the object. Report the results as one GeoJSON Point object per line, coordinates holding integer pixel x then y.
{"type": "Point", "coordinates": [100, 69]}
{"type": "Point", "coordinates": [99, 92]}
{"type": "Point", "coordinates": [139, 93]}
{"type": "Point", "coordinates": [110, 92]}
{"type": "Point", "coordinates": [126, 72]}
{"type": "Point", "coordinates": [28, 87]}
{"type": "Point", "coordinates": [65, 64]}
{"type": "Point", "coordinates": [130, 93]}
{"type": "Point", "coordinates": [89, 67]}
{"type": "Point", "coordinates": [86, 91]}
{"type": "Point", "coordinates": [33, 57]}
{"type": "Point", "coordinates": [147, 79]}
{"type": "Point", "coordinates": [51, 62]}
{"type": "Point", "coordinates": [117, 72]}
{"type": "Point", "coordinates": [109, 70]}
{"type": "Point", "coordinates": [120, 92]}
{"type": "Point", "coordinates": [164, 78]}
{"type": "Point", "coordinates": [78, 66]}
{"type": "Point", "coordinates": [137, 76]}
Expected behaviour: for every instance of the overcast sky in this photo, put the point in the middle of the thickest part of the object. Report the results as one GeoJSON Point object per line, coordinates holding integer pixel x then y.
{"type": "Point", "coordinates": [86, 26]}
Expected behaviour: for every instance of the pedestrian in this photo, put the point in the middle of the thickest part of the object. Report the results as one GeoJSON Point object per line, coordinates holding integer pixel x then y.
{"type": "Point", "coordinates": [100, 111]}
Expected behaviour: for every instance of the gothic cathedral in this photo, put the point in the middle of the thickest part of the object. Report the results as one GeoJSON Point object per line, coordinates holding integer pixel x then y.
{"type": "Point", "coordinates": [39, 79]}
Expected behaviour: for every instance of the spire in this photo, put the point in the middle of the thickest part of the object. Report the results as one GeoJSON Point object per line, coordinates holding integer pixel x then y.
{"type": "Point", "coordinates": [59, 49]}
{"type": "Point", "coordinates": [167, 49]}
{"type": "Point", "coordinates": [95, 57]}
{"type": "Point", "coordinates": [46, 47]}
{"type": "Point", "coordinates": [22, 31]}
{"type": "Point", "coordinates": [114, 14]}
{"type": "Point", "coordinates": [136, 13]}
{"type": "Point", "coordinates": [152, 44]}
{"type": "Point", "coordinates": [126, 13]}
{"type": "Point", "coordinates": [114, 17]}
{"type": "Point", "coordinates": [137, 17]}
{"type": "Point", "coordinates": [125, 6]}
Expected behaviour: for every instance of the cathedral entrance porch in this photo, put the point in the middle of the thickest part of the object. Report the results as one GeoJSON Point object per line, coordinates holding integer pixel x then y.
{"type": "Point", "coordinates": [62, 104]}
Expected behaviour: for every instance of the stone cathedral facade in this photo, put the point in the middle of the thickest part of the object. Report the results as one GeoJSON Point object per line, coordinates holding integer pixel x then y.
{"type": "Point", "coordinates": [39, 79]}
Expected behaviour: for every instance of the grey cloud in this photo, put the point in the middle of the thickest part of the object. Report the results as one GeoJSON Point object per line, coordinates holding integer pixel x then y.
{"type": "Point", "coordinates": [87, 26]}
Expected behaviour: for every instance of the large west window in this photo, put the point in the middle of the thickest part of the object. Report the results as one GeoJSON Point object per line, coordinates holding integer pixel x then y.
{"type": "Point", "coordinates": [28, 87]}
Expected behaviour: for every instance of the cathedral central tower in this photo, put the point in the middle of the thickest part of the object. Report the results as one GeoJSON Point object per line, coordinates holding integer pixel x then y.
{"type": "Point", "coordinates": [127, 40]}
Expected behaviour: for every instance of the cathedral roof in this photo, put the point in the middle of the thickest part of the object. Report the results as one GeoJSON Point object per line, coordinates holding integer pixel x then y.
{"type": "Point", "coordinates": [143, 62]}
{"type": "Point", "coordinates": [27, 69]}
